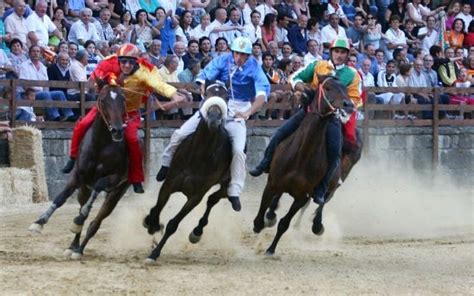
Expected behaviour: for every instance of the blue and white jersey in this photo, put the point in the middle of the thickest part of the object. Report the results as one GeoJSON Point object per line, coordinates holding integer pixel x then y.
{"type": "Point", "coordinates": [246, 82]}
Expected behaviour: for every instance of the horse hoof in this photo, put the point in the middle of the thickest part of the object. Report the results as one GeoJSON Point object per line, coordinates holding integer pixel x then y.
{"type": "Point", "coordinates": [194, 239]}
{"type": "Point", "coordinates": [76, 256]}
{"type": "Point", "coordinates": [67, 253]}
{"type": "Point", "coordinates": [270, 222]}
{"type": "Point", "coordinates": [75, 228]}
{"type": "Point", "coordinates": [269, 253]}
{"type": "Point", "coordinates": [257, 229]}
{"type": "Point", "coordinates": [36, 228]}
{"type": "Point", "coordinates": [318, 230]}
{"type": "Point", "coordinates": [144, 223]}
{"type": "Point", "coordinates": [149, 261]}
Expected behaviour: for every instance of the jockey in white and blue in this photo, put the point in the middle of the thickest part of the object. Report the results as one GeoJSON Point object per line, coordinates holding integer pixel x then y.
{"type": "Point", "coordinates": [248, 91]}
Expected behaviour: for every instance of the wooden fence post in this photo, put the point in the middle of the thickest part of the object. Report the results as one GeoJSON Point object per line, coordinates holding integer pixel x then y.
{"type": "Point", "coordinates": [82, 92]}
{"type": "Point", "coordinates": [12, 110]}
{"type": "Point", "coordinates": [365, 130]}
{"type": "Point", "coordinates": [435, 157]}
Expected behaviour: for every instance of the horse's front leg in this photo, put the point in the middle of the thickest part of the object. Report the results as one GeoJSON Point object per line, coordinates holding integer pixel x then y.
{"type": "Point", "coordinates": [82, 197]}
{"type": "Point", "coordinates": [172, 226]}
{"type": "Point", "coordinates": [298, 203]}
{"type": "Point", "coordinates": [99, 186]}
{"type": "Point", "coordinates": [195, 235]}
{"type": "Point", "coordinates": [318, 227]}
{"type": "Point", "coordinates": [271, 217]}
{"type": "Point", "coordinates": [152, 220]}
{"type": "Point", "coordinates": [58, 201]}
{"type": "Point", "coordinates": [259, 221]}
{"type": "Point", "coordinates": [108, 206]}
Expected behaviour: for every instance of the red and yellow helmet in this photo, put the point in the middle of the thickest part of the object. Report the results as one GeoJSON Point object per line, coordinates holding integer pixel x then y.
{"type": "Point", "coordinates": [128, 50]}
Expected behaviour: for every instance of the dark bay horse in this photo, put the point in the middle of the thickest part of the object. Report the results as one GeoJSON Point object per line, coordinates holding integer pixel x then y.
{"type": "Point", "coordinates": [300, 161]}
{"type": "Point", "coordinates": [102, 165]}
{"type": "Point", "coordinates": [201, 161]}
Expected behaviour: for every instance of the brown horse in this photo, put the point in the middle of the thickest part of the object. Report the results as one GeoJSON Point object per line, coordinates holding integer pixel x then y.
{"type": "Point", "coordinates": [201, 161]}
{"type": "Point", "coordinates": [101, 166]}
{"type": "Point", "coordinates": [300, 161]}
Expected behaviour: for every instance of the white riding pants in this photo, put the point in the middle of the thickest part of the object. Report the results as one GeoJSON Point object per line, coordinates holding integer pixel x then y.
{"type": "Point", "coordinates": [237, 131]}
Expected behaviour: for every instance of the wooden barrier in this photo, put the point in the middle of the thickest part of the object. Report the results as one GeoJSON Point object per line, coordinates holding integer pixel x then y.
{"type": "Point", "coordinates": [435, 123]}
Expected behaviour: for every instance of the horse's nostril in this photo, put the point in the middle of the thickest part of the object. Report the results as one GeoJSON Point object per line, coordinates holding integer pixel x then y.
{"type": "Point", "coordinates": [113, 130]}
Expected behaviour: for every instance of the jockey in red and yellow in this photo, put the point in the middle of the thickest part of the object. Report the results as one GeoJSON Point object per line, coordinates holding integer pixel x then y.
{"type": "Point", "coordinates": [138, 78]}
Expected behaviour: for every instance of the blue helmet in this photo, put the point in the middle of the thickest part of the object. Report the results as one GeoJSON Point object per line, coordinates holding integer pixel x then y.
{"type": "Point", "coordinates": [242, 44]}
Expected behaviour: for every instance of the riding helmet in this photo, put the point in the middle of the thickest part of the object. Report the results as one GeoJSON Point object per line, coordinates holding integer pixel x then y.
{"type": "Point", "coordinates": [242, 44]}
{"type": "Point", "coordinates": [128, 50]}
{"type": "Point", "coordinates": [341, 43]}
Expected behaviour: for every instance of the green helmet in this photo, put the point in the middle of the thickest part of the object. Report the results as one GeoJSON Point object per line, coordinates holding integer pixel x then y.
{"type": "Point", "coordinates": [341, 43]}
{"type": "Point", "coordinates": [242, 44]}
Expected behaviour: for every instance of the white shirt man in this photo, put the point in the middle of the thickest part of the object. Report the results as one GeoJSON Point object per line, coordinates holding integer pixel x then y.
{"type": "Point", "coordinates": [77, 70]}
{"type": "Point", "coordinates": [216, 26]}
{"type": "Point", "coordinates": [332, 31]}
{"type": "Point", "coordinates": [465, 15]}
{"type": "Point", "coordinates": [15, 23]}
{"type": "Point", "coordinates": [367, 77]}
{"type": "Point", "coordinates": [83, 30]}
{"type": "Point", "coordinates": [39, 25]}
{"type": "Point", "coordinates": [253, 30]}
{"type": "Point", "coordinates": [233, 23]}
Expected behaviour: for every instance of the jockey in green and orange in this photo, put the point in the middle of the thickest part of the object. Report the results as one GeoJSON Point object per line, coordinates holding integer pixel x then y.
{"type": "Point", "coordinates": [348, 76]}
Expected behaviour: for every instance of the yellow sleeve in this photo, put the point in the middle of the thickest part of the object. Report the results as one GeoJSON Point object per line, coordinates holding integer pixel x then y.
{"type": "Point", "coordinates": [152, 79]}
{"type": "Point", "coordinates": [354, 90]}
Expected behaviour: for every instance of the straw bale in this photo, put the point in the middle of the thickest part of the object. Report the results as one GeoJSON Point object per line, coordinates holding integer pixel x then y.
{"type": "Point", "coordinates": [26, 152]}
{"type": "Point", "coordinates": [16, 187]}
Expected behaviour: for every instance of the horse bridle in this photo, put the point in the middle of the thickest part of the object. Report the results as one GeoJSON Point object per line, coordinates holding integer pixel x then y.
{"type": "Point", "coordinates": [322, 95]}
{"type": "Point", "coordinates": [107, 123]}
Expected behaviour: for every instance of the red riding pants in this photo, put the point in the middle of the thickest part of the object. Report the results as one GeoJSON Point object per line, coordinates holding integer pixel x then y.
{"type": "Point", "coordinates": [349, 130]}
{"type": "Point", "coordinates": [135, 165]}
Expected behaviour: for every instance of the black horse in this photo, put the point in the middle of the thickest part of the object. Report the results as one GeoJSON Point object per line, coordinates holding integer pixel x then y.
{"type": "Point", "coordinates": [300, 161]}
{"type": "Point", "coordinates": [201, 161]}
{"type": "Point", "coordinates": [102, 165]}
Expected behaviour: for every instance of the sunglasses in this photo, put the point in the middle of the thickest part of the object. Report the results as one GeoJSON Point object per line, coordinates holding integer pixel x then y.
{"type": "Point", "coordinates": [130, 61]}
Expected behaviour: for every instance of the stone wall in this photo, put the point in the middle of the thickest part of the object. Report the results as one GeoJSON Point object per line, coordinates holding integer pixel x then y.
{"type": "Point", "coordinates": [412, 145]}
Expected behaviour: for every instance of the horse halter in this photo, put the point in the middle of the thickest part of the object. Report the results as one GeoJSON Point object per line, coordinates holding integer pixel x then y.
{"type": "Point", "coordinates": [322, 95]}
{"type": "Point", "coordinates": [101, 112]}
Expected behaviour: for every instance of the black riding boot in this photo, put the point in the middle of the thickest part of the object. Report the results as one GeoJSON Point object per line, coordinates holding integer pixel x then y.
{"type": "Point", "coordinates": [69, 165]}
{"type": "Point", "coordinates": [161, 176]}
{"type": "Point", "coordinates": [235, 201]}
{"type": "Point", "coordinates": [138, 188]}
{"type": "Point", "coordinates": [282, 133]}
{"type": "Point", "coordinates": [333, 150]}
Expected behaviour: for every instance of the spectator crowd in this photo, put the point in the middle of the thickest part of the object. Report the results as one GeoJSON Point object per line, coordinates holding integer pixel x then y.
{"type": "Point", "coordinates": [419, 43]}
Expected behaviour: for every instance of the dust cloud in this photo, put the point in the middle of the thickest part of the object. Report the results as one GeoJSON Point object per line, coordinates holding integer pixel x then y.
{"type": "Point", "coordinates": [379, 200]}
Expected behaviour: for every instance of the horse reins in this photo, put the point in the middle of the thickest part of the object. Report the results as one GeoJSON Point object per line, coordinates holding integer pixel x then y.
{"type": "Point", "coordinates": [322, 95]}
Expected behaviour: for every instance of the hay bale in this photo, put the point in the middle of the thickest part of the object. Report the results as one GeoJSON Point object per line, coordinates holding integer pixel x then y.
{"type": "Point", "coordinates": [26, 152]}
{"type": "Point", "coordinates": [16, 186]}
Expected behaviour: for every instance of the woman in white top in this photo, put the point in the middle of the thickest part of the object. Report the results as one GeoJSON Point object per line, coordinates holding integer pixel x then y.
{"type": "Point", "coordinates": [417, 12]}
{"type": "Point", "coordinates": [143, 31]}
{"type": "Point", "coordinates": [183, 31]}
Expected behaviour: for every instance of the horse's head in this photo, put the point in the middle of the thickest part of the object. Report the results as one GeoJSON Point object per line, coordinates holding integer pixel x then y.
{"type": "Point", "coordinates": [331, 96]}
{"type": "Point", "coordinates": [214, 108]}
{"type": "Point", "coordinates": [111, 106]}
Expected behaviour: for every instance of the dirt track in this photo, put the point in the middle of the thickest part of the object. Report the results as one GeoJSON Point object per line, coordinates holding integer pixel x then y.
{"type": "Point", "coordinates": [367, 249]}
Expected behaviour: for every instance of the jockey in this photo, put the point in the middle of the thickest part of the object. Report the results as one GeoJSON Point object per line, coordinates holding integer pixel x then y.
{"type": "Point", "coordinates": [140, 77]}
{"type": "Point", "coordinates": [248, 91]}
{"type": "Point", "coordinates": [348, 76]}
